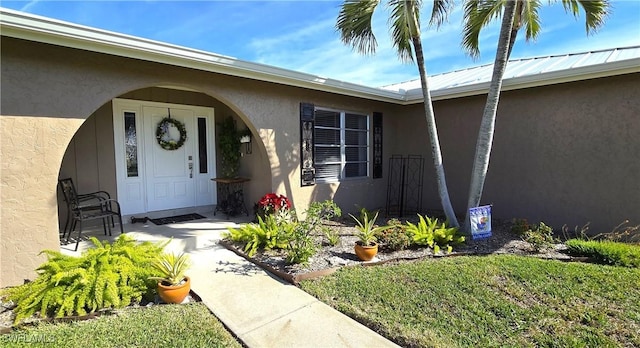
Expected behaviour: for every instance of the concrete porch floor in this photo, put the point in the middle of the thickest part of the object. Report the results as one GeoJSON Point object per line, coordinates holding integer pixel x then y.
{"type": "Point", "coordinates": [186, 236]}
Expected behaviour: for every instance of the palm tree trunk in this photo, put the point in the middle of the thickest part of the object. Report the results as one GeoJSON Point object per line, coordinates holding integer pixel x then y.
{"type": "Point", "coordinates": [487, 126]}
{"type": "Point", "coordinates": [443, 192]}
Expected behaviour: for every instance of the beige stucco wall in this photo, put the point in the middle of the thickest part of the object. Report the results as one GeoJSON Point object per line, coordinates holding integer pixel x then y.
{"type": "Point", "coordinates": [563, 154]}
{"type": "Point", "coordinates": [67, 86]}
{"type": "Point", "coordinates": [31, 151]}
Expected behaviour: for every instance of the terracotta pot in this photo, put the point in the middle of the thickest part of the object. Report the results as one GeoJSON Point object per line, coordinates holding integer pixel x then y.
{"type": "Point", "coordinates": [366, 252]}
{"type": "Point", "coordinates": [174, 293]}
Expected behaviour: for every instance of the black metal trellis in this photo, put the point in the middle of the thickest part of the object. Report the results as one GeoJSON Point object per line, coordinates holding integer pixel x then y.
{"type": "Point", "coordinates": [404, 188]}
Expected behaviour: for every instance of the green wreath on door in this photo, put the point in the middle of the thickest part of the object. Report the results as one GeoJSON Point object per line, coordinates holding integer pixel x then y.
{"type": "Point", "coordinates": [162, 134]}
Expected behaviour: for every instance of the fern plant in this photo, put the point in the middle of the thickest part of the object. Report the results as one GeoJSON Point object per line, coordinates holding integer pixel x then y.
{"type": "Point", "coordinates": [107, 276]}
{"type": "Point", "coordinates": [434, 234]}
{"type": "Point", "coordinates": [423, 232]}
{"type": "Point", "coordinates": [447, 237]}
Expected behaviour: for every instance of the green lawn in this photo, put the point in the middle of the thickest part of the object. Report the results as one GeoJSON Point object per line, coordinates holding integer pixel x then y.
{"type": "Point", "coordinates": [189, 325]}
{"type": "Point", "coordinates": [490, 301]}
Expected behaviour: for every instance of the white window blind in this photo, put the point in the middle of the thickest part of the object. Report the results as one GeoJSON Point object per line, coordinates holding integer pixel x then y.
{"type": "Point", "coordinates": [341, 145]}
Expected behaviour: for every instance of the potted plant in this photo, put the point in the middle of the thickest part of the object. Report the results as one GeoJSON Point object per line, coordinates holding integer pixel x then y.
{"type": "Point", "coordinates": [173, 285]}
{"type": "Point", "coordinates": [366, 247]}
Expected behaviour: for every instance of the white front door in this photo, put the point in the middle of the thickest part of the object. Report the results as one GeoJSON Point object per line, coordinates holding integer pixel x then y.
{"type": "Point", "coordinates": [150, 178]}
{"type": "Point", "coordinates": [170, 180]}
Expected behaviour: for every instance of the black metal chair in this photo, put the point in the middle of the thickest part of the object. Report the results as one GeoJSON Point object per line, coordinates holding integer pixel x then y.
{"type": "Point", "coordinates": [84, 198]}
{"type": "Point", "coordinates": [87, 207]}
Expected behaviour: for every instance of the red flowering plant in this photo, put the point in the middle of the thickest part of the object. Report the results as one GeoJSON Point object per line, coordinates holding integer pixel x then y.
{"type": "Point", "coordinates": [272, 203]}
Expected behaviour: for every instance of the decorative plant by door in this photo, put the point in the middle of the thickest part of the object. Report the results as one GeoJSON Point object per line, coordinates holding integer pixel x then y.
{"type": "Point", "coordinates": [229, 145]}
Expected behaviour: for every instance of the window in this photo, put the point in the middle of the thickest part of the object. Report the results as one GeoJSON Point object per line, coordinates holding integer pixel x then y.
{"type": "Point", "coordinates": [341, 145]}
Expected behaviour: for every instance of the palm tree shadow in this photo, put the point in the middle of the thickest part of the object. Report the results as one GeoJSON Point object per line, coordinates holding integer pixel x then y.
{"type": "Point", "coordinates": [244, 268]}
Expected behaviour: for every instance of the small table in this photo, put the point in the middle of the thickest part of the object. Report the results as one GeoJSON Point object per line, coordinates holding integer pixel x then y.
{"type": "Point", "coordinates": [231, 196]}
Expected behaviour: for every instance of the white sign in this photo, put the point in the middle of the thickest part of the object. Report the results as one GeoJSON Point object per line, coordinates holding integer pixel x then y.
{"type": "Point", "coordinates": [480, 222]}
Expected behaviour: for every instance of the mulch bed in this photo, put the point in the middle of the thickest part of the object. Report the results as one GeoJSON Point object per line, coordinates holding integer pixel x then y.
{"type": "Point", "coordinates": [329, 258]}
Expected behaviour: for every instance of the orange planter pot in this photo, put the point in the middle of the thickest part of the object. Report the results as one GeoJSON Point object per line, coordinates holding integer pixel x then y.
{"type": "Point", "coordinates": [174, 293]}
{"type": "Point", "coordinates": [366, 252]}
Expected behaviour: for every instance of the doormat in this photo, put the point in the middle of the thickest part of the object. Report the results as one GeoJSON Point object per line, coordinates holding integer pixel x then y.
{"type": "Point", "coordinates": [177, 218]}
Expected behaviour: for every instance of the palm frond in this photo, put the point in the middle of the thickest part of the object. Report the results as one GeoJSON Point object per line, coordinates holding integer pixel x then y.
{"type": "Point", "coordinates": [529, 18]}
{"type": "Point", "coordinates": [405, 25]}
{"type": "Point", "coordinates": [354, 25]}
{"type": "Point", "coordinates": [440, 11]}
{"type": "Point", "coordinates": [477, 15]}
{"type": "Point", "coordinates": [596, 12]}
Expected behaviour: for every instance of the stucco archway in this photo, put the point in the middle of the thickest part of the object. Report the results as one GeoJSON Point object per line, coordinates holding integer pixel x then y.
{"type": "Point", "coordinates": [89, 159]}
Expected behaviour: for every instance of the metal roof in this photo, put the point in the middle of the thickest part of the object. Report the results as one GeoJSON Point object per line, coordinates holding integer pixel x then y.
{"type": "Point", "coordinates": [521, 68]}
{"type": "Point", "coordinates": [521, 73]}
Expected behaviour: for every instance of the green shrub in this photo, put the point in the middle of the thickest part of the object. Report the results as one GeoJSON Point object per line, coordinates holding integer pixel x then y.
{"type": "Point", "coordinates": [269, 233]}
{"type": "Point", "coordinates": [282, 231]}
{"type": "Point", "coordinates": [396, 237]}
{"type": "Point", "coordinates": [333, 238]}
{"type": "Point", "coordinates": [540, 237]}
{"type": "Point", "coordinates": [447, 237]}
{"type": "Point", "coordinates": [301, 246]}
{"type": "Point", "coordinates": [606, 252]}
{"type": "Point", "coordinates": [107, 276]}
{"type": "Point", "coordinates": [520, 226]}
{"type": "Point", "coordinates": [430, 232]}
{"type": "Point", "coordinates": [318, 211]}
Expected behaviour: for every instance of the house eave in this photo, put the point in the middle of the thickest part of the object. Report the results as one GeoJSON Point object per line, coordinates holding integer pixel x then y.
{"type": "Point", "coordinates": [46, 30]}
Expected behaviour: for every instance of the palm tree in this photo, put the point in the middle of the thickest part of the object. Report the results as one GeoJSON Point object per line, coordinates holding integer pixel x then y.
{"type": "Point", "coordinates": [517, 14]}
{"type": "Point", "coordinates": [355, 27]}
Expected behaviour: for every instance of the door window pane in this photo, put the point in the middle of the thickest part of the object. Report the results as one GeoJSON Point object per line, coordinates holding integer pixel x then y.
{"type": "Point", "coordinates": [202, 145]}
{"type": "Point", "coordinates": [131, 144]}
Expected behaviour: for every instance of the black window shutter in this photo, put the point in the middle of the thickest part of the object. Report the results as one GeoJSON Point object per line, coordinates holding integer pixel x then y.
{"type": "Point", "coordinates": [377, 145]}
{"type": "Point", "coordinates": [308, 172]}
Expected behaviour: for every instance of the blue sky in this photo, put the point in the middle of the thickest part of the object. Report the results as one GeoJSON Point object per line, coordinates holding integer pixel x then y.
{"type": "Point", "coordinates": [300, 35]}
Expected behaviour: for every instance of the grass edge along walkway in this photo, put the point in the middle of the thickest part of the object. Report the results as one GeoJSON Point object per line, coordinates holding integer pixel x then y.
{"type": "Point", "coordinates": [490, 301]}
{"type": "Point", "coordinates": [185, 325]}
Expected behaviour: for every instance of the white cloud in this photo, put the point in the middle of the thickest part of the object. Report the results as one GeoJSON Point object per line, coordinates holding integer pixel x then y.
{"type": "Point", "coordinates": [317, 49]}
{"type": "Point", "coordinates": [29, 6]}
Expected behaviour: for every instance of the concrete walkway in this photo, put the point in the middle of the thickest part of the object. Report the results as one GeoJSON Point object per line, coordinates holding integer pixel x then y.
{"type": "Point", "coordinates": [259, 308]}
